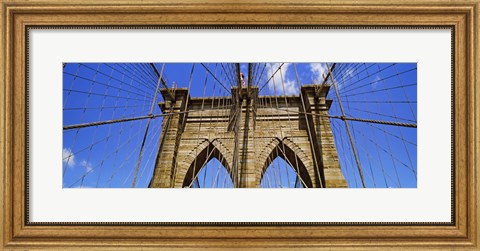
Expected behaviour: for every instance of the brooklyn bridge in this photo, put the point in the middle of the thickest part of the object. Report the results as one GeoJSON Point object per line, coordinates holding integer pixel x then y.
{"type": "Point", "coordinates": [239, 125]}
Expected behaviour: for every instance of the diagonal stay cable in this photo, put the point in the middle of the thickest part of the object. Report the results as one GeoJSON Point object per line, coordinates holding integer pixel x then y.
{"type": "Point", "coordinates": [384, 122]}
{"type": "Point", "coordinates": [111, 77]}
{"type": "Point", "coordinates": [213, 75]}
{"type": "Point", "coordinates": [106, 122]}
{"type": "Point", "coordinates": [380, 90]}
{"type": "Point", "coordinates": [112, 121]}
{"type": "Point", "coordinates": [347, 127]}
{"type": "Point", "coordinates": [383, 101]}
{"type": "Point", "coordinates": [263, 86]}
{"type": "Point", "coordinates": [89, 93]}
{"type": "Point", "coordinates": [161, 81]}
{"type": "Point", "coordinates": [148, 125]}
{"type": "Point", "coordinates": [382, 115]}
{"type": "Point", "coordinates": [382, 79]}
{"type": "Point", "coordinates": [99, 107]}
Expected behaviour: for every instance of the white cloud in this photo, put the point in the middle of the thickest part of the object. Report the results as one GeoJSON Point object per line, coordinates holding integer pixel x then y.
{"type": "Point", "coordinates": [318, 71]}
{"type": "Point", "coordinates": [87, 165]}
{"type": "Point", "coordinates": [68, 157]}
{"type": "Point", "coordinates": [275, 84]}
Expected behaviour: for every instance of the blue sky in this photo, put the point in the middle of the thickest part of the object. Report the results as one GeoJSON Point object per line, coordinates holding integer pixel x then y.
{"type": "Point", "coordinates": [106, 155]}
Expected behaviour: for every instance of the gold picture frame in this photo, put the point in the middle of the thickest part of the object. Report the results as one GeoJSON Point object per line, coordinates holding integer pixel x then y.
{"type": "Point", "coordinates": [17, 16]}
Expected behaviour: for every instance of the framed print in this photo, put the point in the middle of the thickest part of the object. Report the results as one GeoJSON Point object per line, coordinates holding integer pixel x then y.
{"type": "Point", "coordinates": [302, 125]}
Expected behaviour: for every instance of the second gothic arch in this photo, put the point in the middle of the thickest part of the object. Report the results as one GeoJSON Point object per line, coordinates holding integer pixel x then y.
{"type": "Point", "coordinates": [292, 154]}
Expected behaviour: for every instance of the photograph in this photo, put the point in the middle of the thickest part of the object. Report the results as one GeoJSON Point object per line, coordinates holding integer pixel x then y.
{"type": "Point", "coordinates": [111, 110]}
{"type": "Point", "coordinates": [239, 125]}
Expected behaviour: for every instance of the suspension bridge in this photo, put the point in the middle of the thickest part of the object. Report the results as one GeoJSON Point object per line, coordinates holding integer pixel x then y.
{"type": "Point", "coordinates": [239, 125]}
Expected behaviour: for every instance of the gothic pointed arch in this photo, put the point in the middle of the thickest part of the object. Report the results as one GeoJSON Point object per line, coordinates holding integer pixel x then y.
{"type": "Point", "coordinates": [212, 175]}
{"type": "Point", "coordinates": [292, 154]}
{"type": "Point", "coordinates": [205, 151]}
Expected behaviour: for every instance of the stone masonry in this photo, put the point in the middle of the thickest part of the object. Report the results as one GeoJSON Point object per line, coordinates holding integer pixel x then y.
{"type": "Point", "coordinates": [199, 129]}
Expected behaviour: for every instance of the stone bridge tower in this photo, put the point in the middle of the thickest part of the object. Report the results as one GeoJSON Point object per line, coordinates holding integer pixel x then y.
{"type": "Point", "coordinates": [246, 132]}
